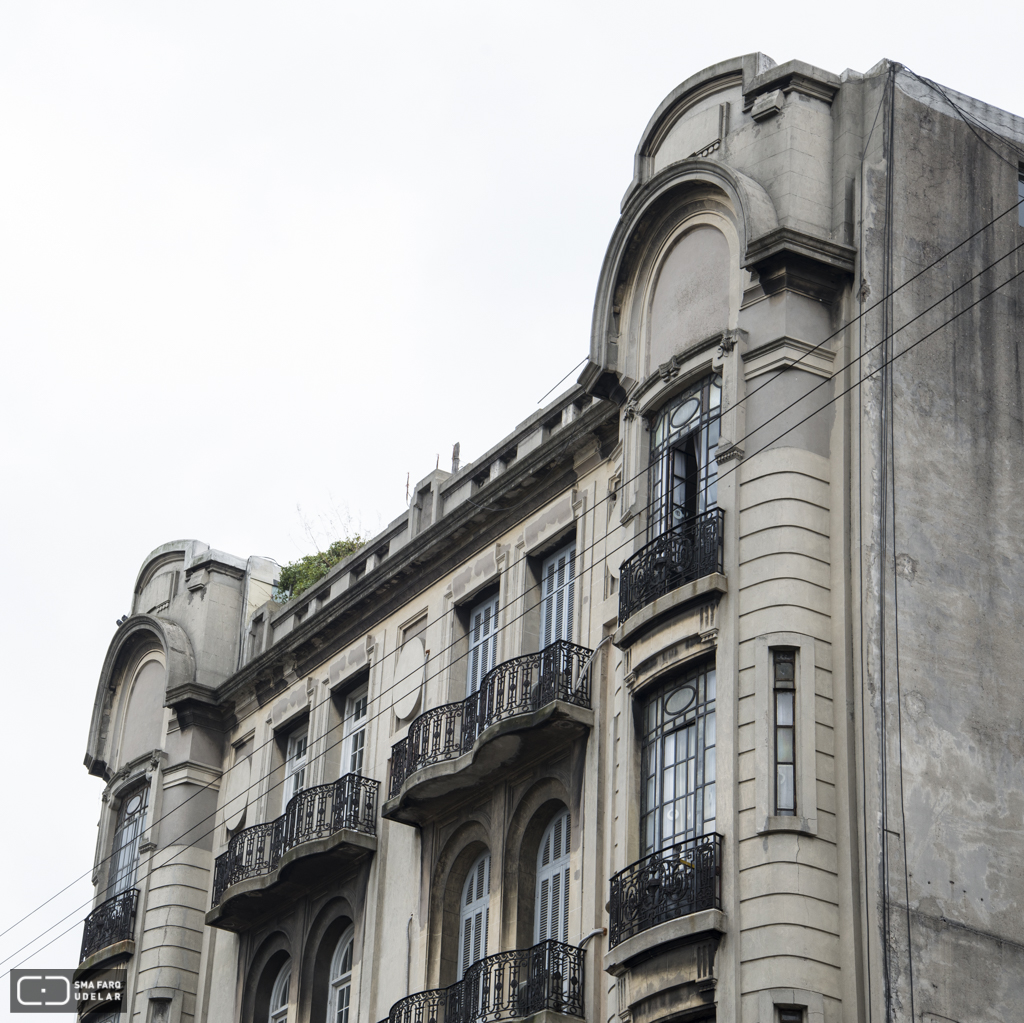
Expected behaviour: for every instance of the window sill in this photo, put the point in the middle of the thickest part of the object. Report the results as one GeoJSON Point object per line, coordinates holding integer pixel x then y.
{"type": "Point", "coordinates": [793, 825]}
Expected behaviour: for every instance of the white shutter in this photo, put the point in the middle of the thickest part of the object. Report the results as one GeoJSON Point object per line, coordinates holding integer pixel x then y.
{"type": "Point", "coordinates": [552, 912]}
{"type": "Point", "coordinates": [558, 585]}
{"type": "Point", "coordinates": [483, 641]}
{"type": "Point", "coordinates": [474, 913]}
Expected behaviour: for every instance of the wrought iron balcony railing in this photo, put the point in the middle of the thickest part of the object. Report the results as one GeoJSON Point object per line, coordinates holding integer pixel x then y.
{"type": "Point", "coordinates": [518, 686]}
{"type": "Point", "coordinates": [692, 550]}
{"type": "Point", "coordinates": [350, 803]}
{"type": "Point", "coordinates": [674, 882]}
{"type": "Point", "coordinates": [110, 922]}
{"type": "Point", "coordinates": [509, 985]}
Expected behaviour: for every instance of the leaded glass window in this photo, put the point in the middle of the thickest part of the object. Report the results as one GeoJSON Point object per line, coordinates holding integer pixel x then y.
{"type": "Point", "coordinates": [684, 443]}
{"type": "Point", "coordinates": [131, 820]}
{"type": "Point", "coordinates": [678, 760]}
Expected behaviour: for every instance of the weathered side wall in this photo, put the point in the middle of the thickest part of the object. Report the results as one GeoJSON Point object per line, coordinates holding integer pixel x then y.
{"type": "Point", "coordinates": [954, 701]}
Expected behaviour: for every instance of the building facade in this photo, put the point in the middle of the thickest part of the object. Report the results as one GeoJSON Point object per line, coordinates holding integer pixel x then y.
{"type": "Point", "coordinates": [697, 697]}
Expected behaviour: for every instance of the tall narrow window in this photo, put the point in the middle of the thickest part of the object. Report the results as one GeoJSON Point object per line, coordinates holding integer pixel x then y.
{"type": "Point", "coordinates": [354, 740]}
{"type": "Point", "coordinates": [341, 980]}
{"type": "Point", "coordinates": [552, 907]}
{"type": "Point", "coordinates": [279, 995]}
{"type": "Point", "coordinates": [295, 764]}
{"type": "Point", "coordinates": [684, 443]}
{"type": "Point", "coordinates": [678, 761]}
{"type": "Point", "coordinates": [558, 584]}
{"type": "Point", "coordinates": [474, 913]}
{"type": "Point", "coordinates": [784, 672]}
{"type": "Point", "coordinates": [131, 820]}
{"type": "Point", "coordinates": [483, 641]}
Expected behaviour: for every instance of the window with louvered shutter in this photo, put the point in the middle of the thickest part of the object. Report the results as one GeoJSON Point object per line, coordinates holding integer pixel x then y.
{"type": "Point", "coordinates": [474, 914]}
{"type": "Point", "coordinates": [558, 585]}
{"type": "Point", "coordinates": [483, 641]}
{"type": "Point", "coordinates": [552, 907]}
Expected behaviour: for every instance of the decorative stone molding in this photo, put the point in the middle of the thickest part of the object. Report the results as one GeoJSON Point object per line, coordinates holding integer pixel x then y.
{"type": "Point", "coordinates": [768, 105]}
{"type": "Point", "coordinates": [728, 452]}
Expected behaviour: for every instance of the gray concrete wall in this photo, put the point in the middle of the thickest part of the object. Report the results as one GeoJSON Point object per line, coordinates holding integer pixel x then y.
{"type": "Point", "coordinates": [952, 577]}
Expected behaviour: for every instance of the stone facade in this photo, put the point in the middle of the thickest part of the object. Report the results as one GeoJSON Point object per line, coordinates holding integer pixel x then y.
{"type": "Point", "coordinates": [696, 697]}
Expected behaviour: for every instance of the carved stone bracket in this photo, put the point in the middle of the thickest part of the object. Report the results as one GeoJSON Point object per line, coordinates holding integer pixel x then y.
{"type": "Point", "coordinates": [729, 339]}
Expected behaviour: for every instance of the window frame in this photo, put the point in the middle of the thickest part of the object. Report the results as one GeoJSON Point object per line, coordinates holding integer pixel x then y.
{"type": "Point", "coordinates": [354, 729]}
{"type": "Point", "coordinates": [805, 819]}
{"type": "Point", "coordinates": [702, 672]}
{"type": "Point", "coordinates": [339, 979]}
{"type": "Point", "coordinates": [558, 869]}
{"type": "Point", "coordinates": [277, 1011]}
{"type": "Point", "coordinates": [291, 786]}
{"type": "Point", "coordinates": [487, 641]}
{"type": "Point", "coordinates": [666, 444]}
{"type": "Point", "coordinates": [558, 612]}
{"type": "Point", "coordinates": [120, 877]}
{"type": "Point", "coordinates": [784, 729]}
{"type": "Point", "coordinates": [470, 907]}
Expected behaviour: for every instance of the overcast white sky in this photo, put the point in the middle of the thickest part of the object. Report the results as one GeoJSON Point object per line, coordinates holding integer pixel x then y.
{"type": "Point", "coordinates": [255, 256]}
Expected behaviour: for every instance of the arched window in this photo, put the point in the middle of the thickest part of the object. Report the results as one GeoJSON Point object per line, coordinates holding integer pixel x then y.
{"type": "Point", "coordinates": [552, 900]}
{"type": "Point", "coordinates": [474, 912]}
{"type": "Point", "coordinates": [341, 980]}
{"type": "Point", "coordinates": [684, 445]}
{"type": "Point", "coordinates": [279, 995]}
{"type": "Point", "coordinates": [131, 820]}
{"type": "Point", "coordinates": [678, 761]}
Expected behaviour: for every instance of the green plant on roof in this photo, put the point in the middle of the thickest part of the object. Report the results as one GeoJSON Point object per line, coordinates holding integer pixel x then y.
{"type": "Point", "coordinates": [298, 576]}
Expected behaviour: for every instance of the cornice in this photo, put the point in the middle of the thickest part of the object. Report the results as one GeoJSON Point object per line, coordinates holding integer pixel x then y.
{"type": "Point", "coordinates": [441, 548]}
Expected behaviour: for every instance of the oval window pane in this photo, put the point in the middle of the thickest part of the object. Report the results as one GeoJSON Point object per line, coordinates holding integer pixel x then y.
{"type": "Point", "coordinates": [133, 805]}
{"type": "Point", "coordinates": [677, 702]}
{"type": "Point", "coordinates": [681, 416]}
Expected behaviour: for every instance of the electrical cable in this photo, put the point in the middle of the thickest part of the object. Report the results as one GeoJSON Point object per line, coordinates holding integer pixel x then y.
{"type": "Point", "coordinates": [878, 369]}
{"type": "Point", "coordinates": [645, 468]}
{"type": "Point", "coordinates": [739, 402]}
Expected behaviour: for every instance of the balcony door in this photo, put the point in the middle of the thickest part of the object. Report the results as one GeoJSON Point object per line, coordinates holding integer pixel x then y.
{"type": "Point", "coordinates": [474, 912]}
{"type": "Point", "coordinates": [483, 642]}
{"type": "Point", "coordinates": [678, 761]}
{"type": "Point", "coordinates": [354, 737]}
{"type": "Point", "coordinates": [552, 899]}
{"type": "Point", "coordinates": [683, 466]}
{"type": "Point", "coordinates": [558, 585]}
{"type": "Point", "coordinates": [296, 758]}
{"type": "Point", "coordinates": [124, 859]}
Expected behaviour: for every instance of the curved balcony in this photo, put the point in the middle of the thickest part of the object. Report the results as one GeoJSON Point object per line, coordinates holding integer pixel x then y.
{"type": "Point", "coordinates": [509, 985]}
{"type": "Point", "coordinates": [691, 551]}
{"type": "Point", "coordinates": [521, 706]}
{"type": "Point", "coordinates": [110, 928]}
{"type": "Point", "coordinates": [328, 827]}
{"type": "Point", "coordinates": [670, 898]}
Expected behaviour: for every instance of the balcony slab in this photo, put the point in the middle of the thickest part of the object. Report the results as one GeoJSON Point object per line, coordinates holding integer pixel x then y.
{"type": "Point", "coordinates": [668, 605]}
{"type": "Point", "coordinates": [431, 790]}
{"type": "Point", "coordinates": [249, 902]}
{"type": "Point", "coordinates": [662, 937]}
{"type": "Point", "coordinates": [110, 956]}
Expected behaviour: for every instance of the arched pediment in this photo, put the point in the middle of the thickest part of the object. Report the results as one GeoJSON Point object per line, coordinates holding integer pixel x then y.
{"type": "Point", "coordinates": [747, 204]}
{"type": "Point", "coordinates": [133, 639]}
